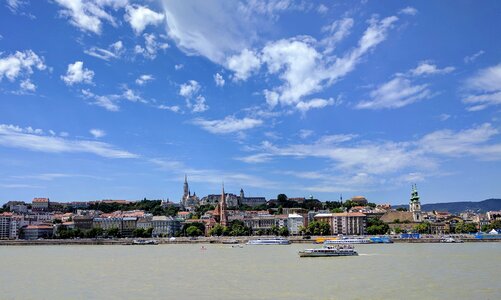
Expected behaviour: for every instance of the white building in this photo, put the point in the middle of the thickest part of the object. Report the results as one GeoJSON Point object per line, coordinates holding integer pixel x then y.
{"type": "Point", "coordinates": [5, 220]}
{"type": "Point", "coordinates": [294, 223]}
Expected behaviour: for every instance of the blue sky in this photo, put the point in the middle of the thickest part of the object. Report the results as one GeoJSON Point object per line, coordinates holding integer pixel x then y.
{"type": "Point", "coordinates": [106, 99]}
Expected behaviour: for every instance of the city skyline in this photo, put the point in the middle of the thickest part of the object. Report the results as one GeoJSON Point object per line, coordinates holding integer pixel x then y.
{"type": "Point", "coordinates": [121, 99]}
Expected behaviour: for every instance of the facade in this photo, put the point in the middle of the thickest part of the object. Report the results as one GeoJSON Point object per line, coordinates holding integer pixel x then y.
{"type": "Point", "coordinates": [165, 226]}
{"type": "Point", "coordinates": [220, 212]}
{"type": "Point", "coordinates": [40, 204]}
{"type": "Point", "coordinates": [294, 223]}
{"type": "Point", "coordinates": [344, 223]}
{"type": "Point", "coordinates": [144, 223]}
{"type": "Point", "coordinates": [415, 205]}
{"type": "Point", "coordinates": [5, 220]}
{"type": "Point", "coordinates": [33, 232]}
{"type": "Point", "coordinates": [83, 222]}
{"type": "Point", "coordinates": [251, 201]}
{"type": "Point", "coordinates": [189, 201]}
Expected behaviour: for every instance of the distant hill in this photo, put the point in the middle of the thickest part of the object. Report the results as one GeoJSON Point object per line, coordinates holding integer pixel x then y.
{"type": "Point", "coordinates": [457, 207]}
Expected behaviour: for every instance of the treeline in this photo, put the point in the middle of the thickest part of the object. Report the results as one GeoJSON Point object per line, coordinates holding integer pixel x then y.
{"type": "Point", "coordinates": [150, 206]}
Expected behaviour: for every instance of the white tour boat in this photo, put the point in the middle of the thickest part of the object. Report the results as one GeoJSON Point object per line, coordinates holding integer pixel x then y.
{"type": "Point", "coordinates": [270, 241]}
{"type": "Point", "coordinates": [327, 251]}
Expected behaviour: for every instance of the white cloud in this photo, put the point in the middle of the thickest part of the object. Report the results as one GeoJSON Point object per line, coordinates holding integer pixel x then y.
{"type": "Point", "coordinates": [305, 71]}
{"type": "Point", "coordinates": [88, 15]}
{"type": "Point", "coordinates": [218, 79]}
{"type": "Point", "coordinates": [113, 51]}
{"type": "Point", "coordinates": [131, 95]}
{"type": "Point", "coordinates": [426, 68]}
{"type": "Point", "coordinates": [409, 10]}
{"type": "Point", "coordinates": [77, 74]}
{"type": "Point", "coordinates": [244, 64]}
{"type": "Point", "coordinates": [337, 31]}
{"type": "Point", "coordinates": [27, 85]}
{"type": "Point", "coordinates": [444, 117]}
{"type": "Point", "coordinates": [143, 79]}
{"type": "Point", "coordinates": [178, 67]}
{"type": "Point", "coordinates": [271, 97]}
{"type": "Point", "coordinates": [322, 9]}
{"type": "Point", "coordinates": [395, 93]}
{"type": "Point", "coordinates": [472, 58]}
{"type": "Point", "coordinates": [229, 124]}
{"type": "Point", "coordinates": [189, 88]}
{"type": "Point", "coordinates": [151, 46]}
{"type": "Point", "coordinates": [484, 88]}
{"type": "Point", "coordinates": [107, 102]}
{"type": "Point", "coordinates": [141, 16]}
{"type": "Point", "coordinates": [304, 106]}
{"type": "Point", "coordinates": [97, 133]}
{"type": "Point", "coordinates": [14, 5]}
{"type": "Point", "coordinates": [20, 64]}
{"type": "Point", "coordinates": [173, 108]}
{"type": "Point", "coordinates": [305, 133]}
{"type": "Point", "coordinates": [34, 140]}
{"type": "Point", "coordinates": [199, 105]}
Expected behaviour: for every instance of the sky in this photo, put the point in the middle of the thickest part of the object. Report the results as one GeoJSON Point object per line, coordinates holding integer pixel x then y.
{"type": "Point", "coordinates": [104, 99]}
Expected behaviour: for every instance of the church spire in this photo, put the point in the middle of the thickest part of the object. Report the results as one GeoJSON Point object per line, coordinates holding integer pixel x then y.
{"type": "Point", "coordinates": [223, 218]}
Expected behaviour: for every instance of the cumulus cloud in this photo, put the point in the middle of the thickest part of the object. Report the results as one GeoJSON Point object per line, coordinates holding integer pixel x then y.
{"type": "Point", "coordinates": [427, 68]}
{"type": "Point", "coordinates": [151, 46]}
{"type": "Point", "coordinates": [484, 88]}
{"type": "Point", "coordinates": [97, 133]}
{"type": "Point", "coordinates": [189, 88]}
{"type": "Point", "coordinates": [395, 93]}
{"type": "Point", "coordinates": [21, 65]}
{"type": "Point", "coordinates": [35, 140]}
{"type": "Point", "coordinates": [113, 51]}
{"type": "Point", "coordinates": [76, 73]}
{"type": "Point", "coordinates": [145, 78]}
{"type": "Point", "coordinates": [141, 16]}
{"type": "Point", "coordinates": [27, 85]}
{"type": "Point", "coordinates": [218, 79]}
{"type": "Point", "coordinates": [88, 15]}
{"type": "Point", "coordinates": [244, 64]}
{"type": "Point", "coordinates": [199, 106]}
{"type": "Point", "coordinates": [227, 125]}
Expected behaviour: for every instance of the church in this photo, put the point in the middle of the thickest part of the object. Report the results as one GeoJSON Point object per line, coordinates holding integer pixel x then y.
{"type": "Point", "coordinates": [405, 220]}
{"type": "Point", "coordinates": [189, 201]}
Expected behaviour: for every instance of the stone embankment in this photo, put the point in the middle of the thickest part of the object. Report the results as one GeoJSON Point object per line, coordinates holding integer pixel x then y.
{"type": "Point", "coordinates": [212, 240]}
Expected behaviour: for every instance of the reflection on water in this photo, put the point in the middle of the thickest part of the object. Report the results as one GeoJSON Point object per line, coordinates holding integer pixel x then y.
{"type": "Point", "coordinates": [396, 271]}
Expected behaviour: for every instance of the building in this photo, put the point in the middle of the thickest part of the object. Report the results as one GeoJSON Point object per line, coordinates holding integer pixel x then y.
{"type": "Point", "coordinates": [415, 205]}
{"type": "Point", "coordinates": [128, 226]}
{"type": "Point", "coordinates": [189, 201]}
{"type": "Point", "coordinates": [40, 204]}
{"type": "Point", "coordinates": [5, 225]}
{"type": "Point", "coordinates": [144, 223]}
{"type": "Point", "coordinates": [83, 222]}
{"type": "Point", "coordinates": [165, 226]}
{"type": "Point", "coordinates": [294, 223]}
{"type": "Point", "coordinates": [33, 232]}
{"type": "Point", "coordinates": [344, 223]}
{"type": "Point", "coordinates": [220, 212]}
{"type": "Point", "coordinates": [232, 200]}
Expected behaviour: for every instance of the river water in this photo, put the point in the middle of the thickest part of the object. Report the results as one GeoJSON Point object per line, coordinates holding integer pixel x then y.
{"type": "Point", "coordinates": [394, 271]}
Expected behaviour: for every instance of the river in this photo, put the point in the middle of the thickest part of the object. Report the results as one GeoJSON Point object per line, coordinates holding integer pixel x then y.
{"type": "Point", "coordinates": [392, 271]}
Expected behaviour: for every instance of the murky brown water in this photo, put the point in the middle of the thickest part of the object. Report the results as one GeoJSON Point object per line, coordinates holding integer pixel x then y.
{"type": "Point", "coordinates": [397, 271]}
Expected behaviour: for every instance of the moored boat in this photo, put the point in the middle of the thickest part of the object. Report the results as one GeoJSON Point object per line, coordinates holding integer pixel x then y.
{"type": "Point", "coordinates": [328, 251]}
{"type": "Point", "coordinates": [346, 240]}
{"type": "Point", "coordinates": [450, 240]}
{"type": "Point", "coordinates": [270, 241]}
{"type": "Point", "coordinates": [144, 242]}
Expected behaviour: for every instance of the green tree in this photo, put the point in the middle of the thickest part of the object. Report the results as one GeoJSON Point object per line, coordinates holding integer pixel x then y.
{"type": "Point", "coordinates": [423, 227]}
{"type": "Point", "coordinates": [283, 231]}
{"type": "Point", "coordinates": [281, 199]}
{"type": "Point", "coordinates": [402, 209]}
{"type": "Point", "coordinates": [193, 231]}
{"type": "Point", "coordinates": [337, 210]}
{"type": "Point", "coordinates": [113, 232]}
{"type": "Point", "coordinates": [398, 230]}
{"type": "Point", "coordinates": [318, 228]}
{"type": "Point", "coordinates": [218, 230]}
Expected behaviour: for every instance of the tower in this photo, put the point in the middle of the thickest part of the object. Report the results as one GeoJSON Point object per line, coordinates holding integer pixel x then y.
{"type": "Point", "coordinates": [242, 196]}
{"type": "Point", "coordinates": [186, 189]}
{"type": "Point", "coordinates": [415, 205]}
{"type": "Point", "coordinates": [223, 217]}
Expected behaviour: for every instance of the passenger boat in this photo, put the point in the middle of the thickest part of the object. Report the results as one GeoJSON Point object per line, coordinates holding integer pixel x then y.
{"type": "Point", "coordinates": [381, 240]}
{"type": "Point", "coordinates": [144, 242]}
{"type": "Point", "coordinates": [346, 240]}
{"type": "Point", "coordinates": [327, 251]}
{"type": "Point", "coordinates": [271, 241]}
{"type": "Point", "coordinates": [450, 240]}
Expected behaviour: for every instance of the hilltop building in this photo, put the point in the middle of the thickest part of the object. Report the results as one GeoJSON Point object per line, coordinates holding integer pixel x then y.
{"type": "Point", "coordinates": [189, 201]}
{"type": "Point", "coordinates": [415, 205]}
{"type": "Point", "coordinates": [251, 201]}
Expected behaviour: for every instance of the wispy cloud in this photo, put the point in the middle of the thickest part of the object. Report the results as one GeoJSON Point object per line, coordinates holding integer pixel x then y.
{"type": "Point", "coordinates": [35, 140]}
{"type": "Point", "coordinates": [229, 124]}
{"type": "Point", "coordinates": [113, 51]}
{"type": "Point", "coordinates": [483, 89]}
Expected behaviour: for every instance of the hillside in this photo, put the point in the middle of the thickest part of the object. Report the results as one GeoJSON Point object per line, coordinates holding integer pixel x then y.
{"type": "Point", "coordinates": [457, 207]}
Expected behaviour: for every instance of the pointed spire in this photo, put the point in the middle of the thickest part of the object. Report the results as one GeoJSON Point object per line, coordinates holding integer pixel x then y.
{"type": "Point", "coordinates": [185, 178]}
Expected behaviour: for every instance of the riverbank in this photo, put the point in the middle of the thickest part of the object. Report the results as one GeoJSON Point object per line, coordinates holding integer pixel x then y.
{"type": "Point", "coordinates": [207, 240]}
